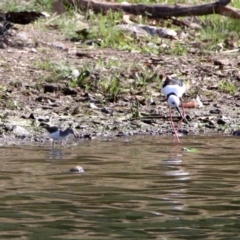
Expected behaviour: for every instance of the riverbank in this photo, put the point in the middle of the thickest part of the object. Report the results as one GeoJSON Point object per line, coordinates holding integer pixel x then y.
{"type": "Point", "coordinates": [99, 91]}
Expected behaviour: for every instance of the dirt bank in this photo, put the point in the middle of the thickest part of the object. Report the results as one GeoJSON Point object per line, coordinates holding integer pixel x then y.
{"type": "Point", "coordinates": [38, 85]}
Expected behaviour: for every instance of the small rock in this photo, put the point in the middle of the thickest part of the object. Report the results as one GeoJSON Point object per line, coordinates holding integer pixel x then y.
{"type": "Point", "coordinates": [75, 73]}
{"type": "Point", "coordinates": [107, 111]}
{"type": "Point", "coordinates": [22, 36]}
{"type": "Point", "coordinates": [31, 116]}
{"type": "Point", "coordinates": [90, 98]}
{"type": "Point", "coordinates": [236, 133]}
{"type": "Point", "coordinates": [223, 120]}
{"type": "Point", "coordinates": [210, 124]}
{"type": "Point", "coordinates": [43, 119]}
{"type": "Point", "coordinates": [222, 62]}
{"type": "Point", "coordinates": [87, 136]}
{"type": "Point", "coordinates": [50, 88]}
{"type": "Point", "coordinates": [69, 91]}
{"type": "Point", "coordinates": [93, 106]}
{"type": "Point", "coordinates": [206, 103]}
{"type": "Point", "coordinates": [93, 42]}
{"type": "Point", "coordinates": [20, 131]}
{"type": "Point", "coordinates": [195, 26]}
{"type": "Point", "coordinates": [183, 131]}
{"type": "Point", "coordinates": [77, 169]}
{"type": "Point", "coordinates": [194, 124]}
{"type": "Point", "coordinates": [215, 111]}
{"type": "Point", "coordinates": [149, 121]}
{"type": "Point", "coordinates": [216, 105]}
{"type": "Point", "coordinates": [39, 99]}
{"type": "Point", "coordinates": [8, 127]}
{"type": "Point", "coordinates": [121, 134]}
{"type": "Point", "coordinates": [58, 45]}
{"type": "Point", "coordinates": [81, 126]}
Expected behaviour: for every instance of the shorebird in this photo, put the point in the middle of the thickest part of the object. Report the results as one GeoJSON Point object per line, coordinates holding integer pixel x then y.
{"type": "Point", "coordinates": [173, 89]}
{"type": "Point", "coordinates": [56, 134]}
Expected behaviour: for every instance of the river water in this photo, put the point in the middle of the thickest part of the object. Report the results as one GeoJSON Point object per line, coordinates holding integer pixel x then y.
{"type": "Point", "coordinates": [132, 188]}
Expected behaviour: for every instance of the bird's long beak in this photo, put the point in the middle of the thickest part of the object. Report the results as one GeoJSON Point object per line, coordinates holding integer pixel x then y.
{"type": "Point", "coordinates": [183, 118]}
{"type": "Point", "coordinates": [179, 111]}
{"type": "Point", "coordinates": [75, 135]}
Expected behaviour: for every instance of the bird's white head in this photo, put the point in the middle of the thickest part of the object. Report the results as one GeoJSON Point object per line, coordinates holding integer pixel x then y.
{"type": "Point", "coordinates": [173, 101]}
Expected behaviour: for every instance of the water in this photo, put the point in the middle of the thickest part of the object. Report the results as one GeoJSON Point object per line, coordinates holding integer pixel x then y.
{"type": "Point", "coordinates": [132, 188]}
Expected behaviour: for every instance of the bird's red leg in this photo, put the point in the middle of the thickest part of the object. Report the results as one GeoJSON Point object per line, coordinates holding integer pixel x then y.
{"type": "Point", "coordinates": [173, 128]}
{"type": "Point", "coordinates": [183, 115]}
{"type": "Point", "coordinates": [183, 110]}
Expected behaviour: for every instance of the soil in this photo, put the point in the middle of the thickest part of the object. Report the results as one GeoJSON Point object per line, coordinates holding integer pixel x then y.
{"type": "Point", "coordinates": [29, 99]}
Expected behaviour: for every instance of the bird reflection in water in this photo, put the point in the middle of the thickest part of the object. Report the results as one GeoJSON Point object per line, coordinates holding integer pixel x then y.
{"type": "Point", "coordinates": [174, 161]}
{"type": "Point", "coordinates": [178, 177]}
{"type": "Point", "coordinates": [55, 153]}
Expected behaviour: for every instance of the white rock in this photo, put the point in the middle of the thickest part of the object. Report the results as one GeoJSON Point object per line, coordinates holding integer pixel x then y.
{"type": "Point", "coordinates": [75, 73]}
{"type": "Point", "coordinates": [20, 131]}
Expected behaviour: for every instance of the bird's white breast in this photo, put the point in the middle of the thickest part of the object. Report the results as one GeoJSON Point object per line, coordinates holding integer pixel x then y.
{"type": "Point", "coordinates": [176, 89]}
{"type": "Point", "coordinates": [55, 136]}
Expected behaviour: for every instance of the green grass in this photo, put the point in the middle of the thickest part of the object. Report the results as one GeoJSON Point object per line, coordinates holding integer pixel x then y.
{"type": "Point", "coordinates": [227, 87]}
{"type": "Point", "coordinates": [100, 29]}
{"type": "Point", "coordinates": [103, 76]}
{"type": "Point", "coordinates": [22, 5]}
{"type": "Point", "coordinates": [56, 71]}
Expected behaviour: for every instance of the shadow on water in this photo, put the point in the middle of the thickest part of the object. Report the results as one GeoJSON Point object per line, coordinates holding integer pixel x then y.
{"type": "Point", "coordinates": [133, 188]}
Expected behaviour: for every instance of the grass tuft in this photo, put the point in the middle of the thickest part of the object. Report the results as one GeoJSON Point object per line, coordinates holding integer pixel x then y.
{"type": "Point", "coordinates": [226, 87]}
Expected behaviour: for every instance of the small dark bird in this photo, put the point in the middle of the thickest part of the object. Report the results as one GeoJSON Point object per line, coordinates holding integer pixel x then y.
{"type": "Point", "coordinates": [56, 134]}
{"type": "Point", "coordinates": [173, 89]}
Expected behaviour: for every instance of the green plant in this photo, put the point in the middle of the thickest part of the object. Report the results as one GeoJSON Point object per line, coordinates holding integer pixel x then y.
{"type": "Point", "coordinates": [53, 71]}
{"type": "Point", "coordinates": [135, 110]}
{"type": "Point", "coordinates": [81, 81]}
{"type": "Point", "coordinates": [23, 5]}
{"type": "Point", "coordinates": [227, 87]}
{"type": "Point", "coordinates": [111, 87]}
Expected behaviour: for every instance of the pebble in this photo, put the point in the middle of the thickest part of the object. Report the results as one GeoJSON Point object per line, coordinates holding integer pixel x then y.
{"type": "Point", "coordinates": [236, 133]}
{"type": "Point", "coordinates": [77, 169]}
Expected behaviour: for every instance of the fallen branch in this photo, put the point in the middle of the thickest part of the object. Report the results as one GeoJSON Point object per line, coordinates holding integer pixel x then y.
{"type": "Point", "coordinates": [160, 10]}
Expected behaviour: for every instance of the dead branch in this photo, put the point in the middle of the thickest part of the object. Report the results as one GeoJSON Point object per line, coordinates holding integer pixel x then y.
{"type": "Point", "coordinates": [159, 10]}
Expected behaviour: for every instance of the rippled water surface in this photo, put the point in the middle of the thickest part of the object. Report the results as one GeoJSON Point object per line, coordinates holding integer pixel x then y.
{"type": "Point", "coordinates": [132, 188]}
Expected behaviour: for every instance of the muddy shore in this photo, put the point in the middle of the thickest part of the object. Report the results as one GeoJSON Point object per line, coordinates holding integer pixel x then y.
{"type": "Point", "coordinates": [30, 97]}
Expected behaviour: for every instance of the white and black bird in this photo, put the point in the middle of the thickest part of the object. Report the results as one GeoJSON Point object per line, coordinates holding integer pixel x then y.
{"type": "Point", "coordinates": [173, 89]}
{"type": "Point", "coordinates": [58, 135]}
